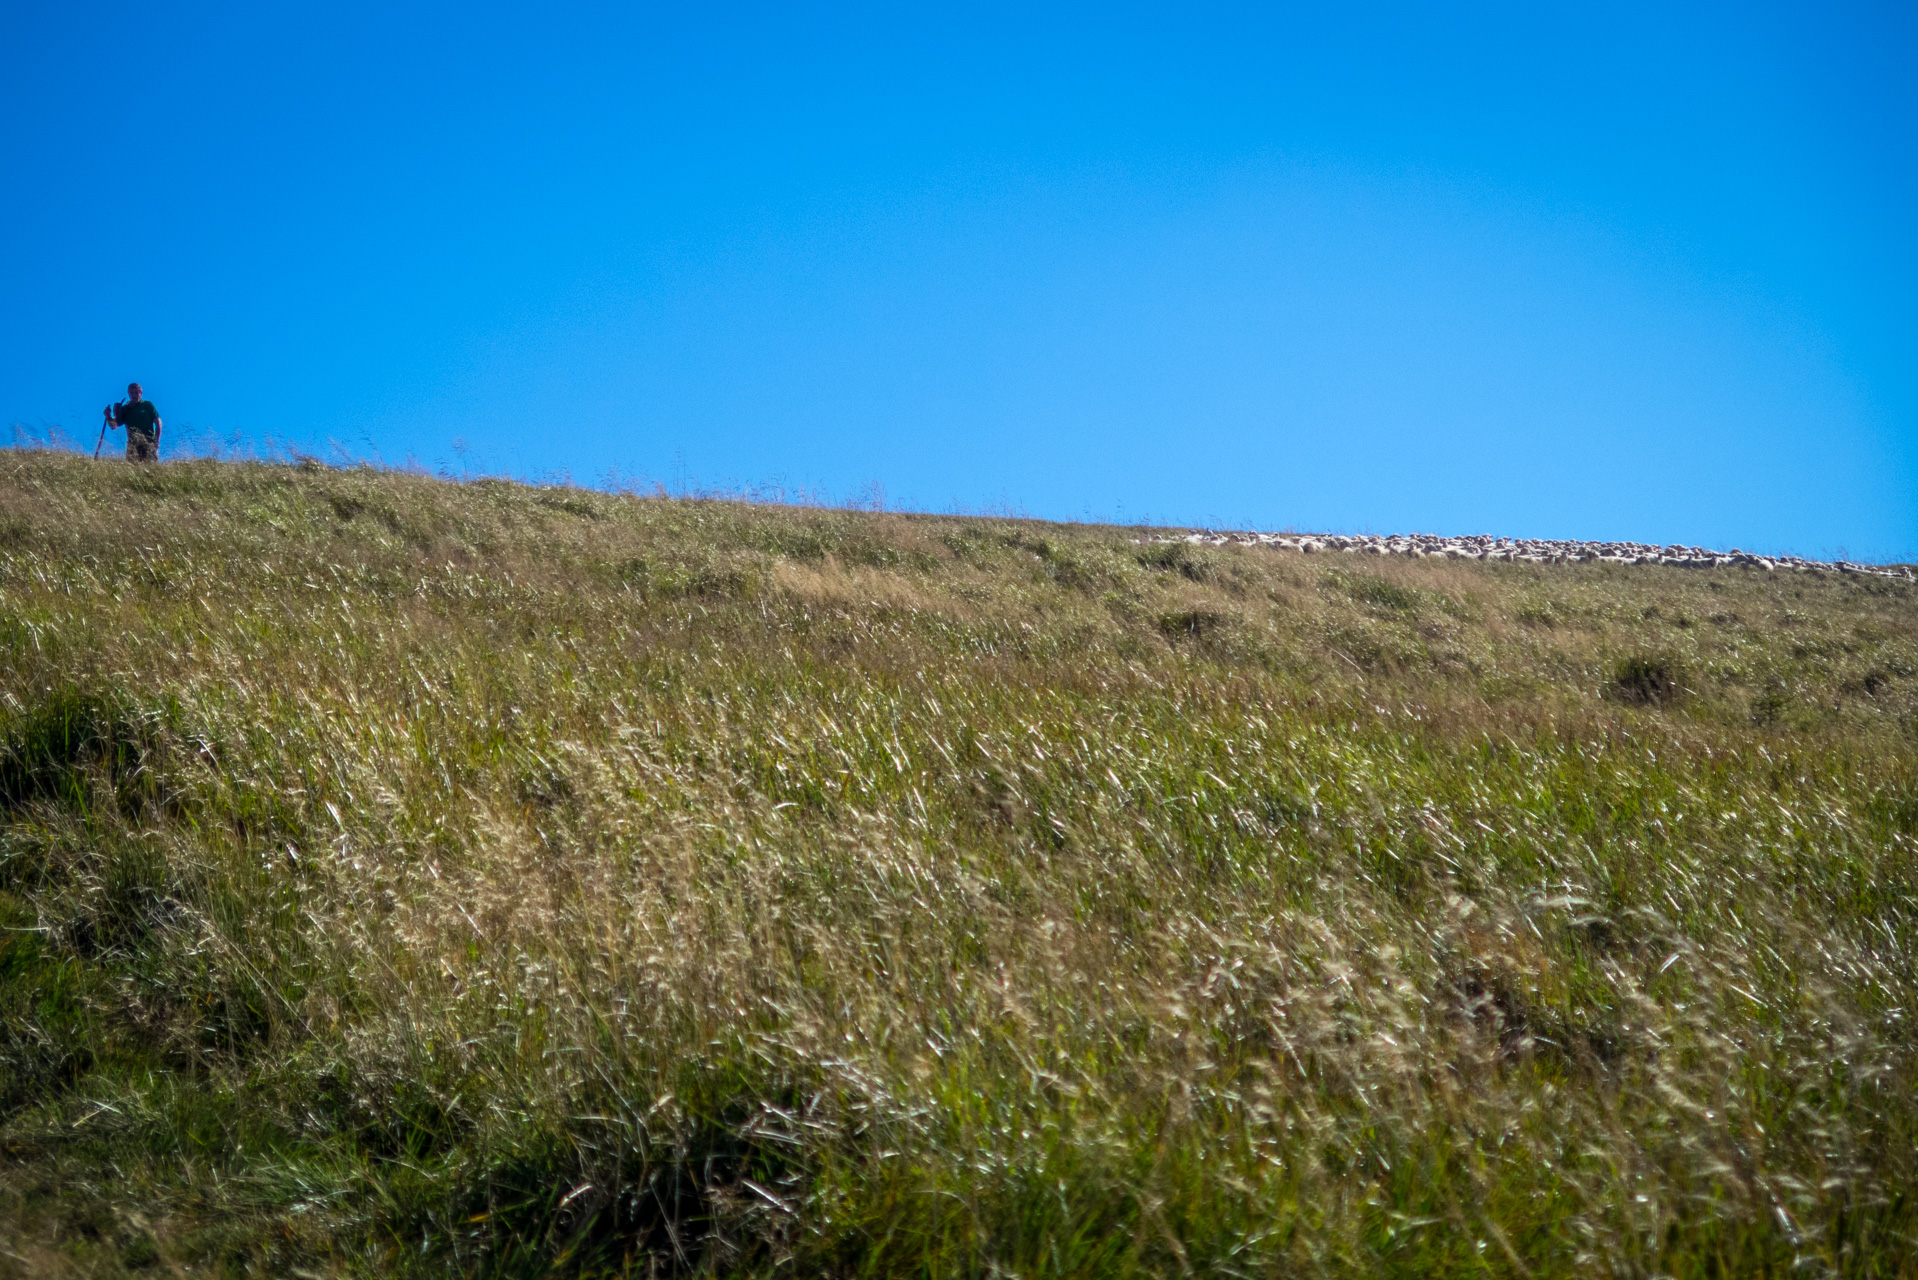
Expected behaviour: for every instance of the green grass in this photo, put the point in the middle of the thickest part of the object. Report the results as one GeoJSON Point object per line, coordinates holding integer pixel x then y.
{"type": "Point", "coordinates": [407, 877]}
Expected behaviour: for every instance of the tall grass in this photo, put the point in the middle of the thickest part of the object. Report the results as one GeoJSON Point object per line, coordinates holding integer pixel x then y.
{"type": "Point", "coordinates": [404, 877]}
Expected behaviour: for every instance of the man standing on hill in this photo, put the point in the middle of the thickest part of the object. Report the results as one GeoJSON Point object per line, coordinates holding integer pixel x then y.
{"type": "Point", "coordinates": [142, 422]}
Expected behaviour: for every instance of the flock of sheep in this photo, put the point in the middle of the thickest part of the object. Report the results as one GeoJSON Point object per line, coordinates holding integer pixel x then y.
{"type": "Point", "coordinates": [1535, 551]}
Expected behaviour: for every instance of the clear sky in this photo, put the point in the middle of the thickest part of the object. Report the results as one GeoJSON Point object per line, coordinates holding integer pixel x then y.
{"type": "Point", "coordinates": [1604, 271]}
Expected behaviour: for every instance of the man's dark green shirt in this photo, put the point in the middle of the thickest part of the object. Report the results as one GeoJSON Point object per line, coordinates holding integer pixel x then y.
{"type": "Point", "coordinates": [137, 416]}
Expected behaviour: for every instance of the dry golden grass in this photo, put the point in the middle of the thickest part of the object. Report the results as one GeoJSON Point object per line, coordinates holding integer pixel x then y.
{"type": "Point", "coordinates": [411, 877]}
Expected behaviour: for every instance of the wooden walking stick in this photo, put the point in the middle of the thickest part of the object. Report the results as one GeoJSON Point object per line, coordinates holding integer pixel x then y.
{"type": "Point", "coordinates": [106, 420]}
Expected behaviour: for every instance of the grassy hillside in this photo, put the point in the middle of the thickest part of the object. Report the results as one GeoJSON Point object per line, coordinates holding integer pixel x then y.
{"type": "Point", "coordinates": [403, 877]}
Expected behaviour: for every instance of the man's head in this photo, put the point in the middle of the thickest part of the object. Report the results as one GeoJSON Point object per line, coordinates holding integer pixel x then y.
{"type": "Point", "coordinates": [133, 391]}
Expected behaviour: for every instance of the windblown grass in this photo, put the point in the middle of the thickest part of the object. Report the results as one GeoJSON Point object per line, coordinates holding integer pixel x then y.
{"type": "Point", "coordinates": [404, 877]}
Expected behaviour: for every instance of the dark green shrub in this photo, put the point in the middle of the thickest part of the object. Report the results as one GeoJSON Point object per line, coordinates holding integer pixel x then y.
{"type": "Point", "coordinates": [1181, 558]}
{"type": "Point", "coordinates": [1193, 624]}
{"type": "Point", "coordinates": [1645, 680]}
{"type": "Point", "coordinates": [56, 749]}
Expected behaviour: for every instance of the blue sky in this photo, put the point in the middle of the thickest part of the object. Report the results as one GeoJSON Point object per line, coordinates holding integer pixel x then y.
{"type": "Point", "coordinates": [1616, 272]}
